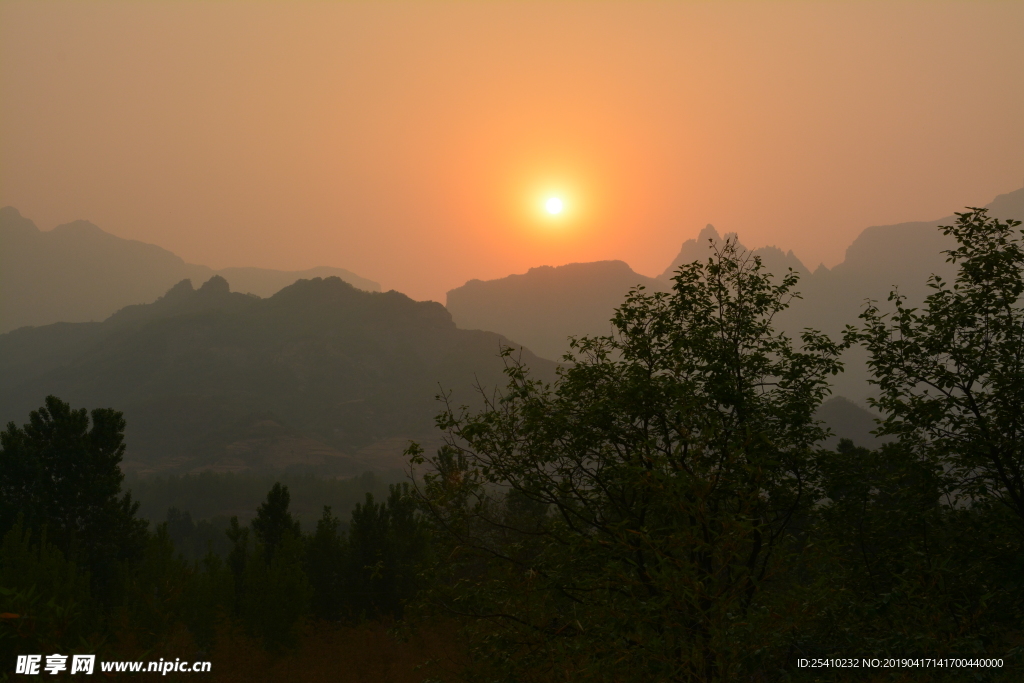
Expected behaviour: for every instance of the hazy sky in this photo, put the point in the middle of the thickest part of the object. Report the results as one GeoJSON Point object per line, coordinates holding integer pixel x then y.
{"type": "Point", "coordinates": [415, 142]}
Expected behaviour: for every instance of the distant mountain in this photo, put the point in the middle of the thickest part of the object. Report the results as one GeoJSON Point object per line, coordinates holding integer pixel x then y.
{"type": "Point", "coordinates": [546, 305]}
{"type": "Point", "coordinates": [320, 377]}
{"type": "Point", "coordinates": [543, 307]}
{"type": "Point", "coordinates": [773, 258]}
{"type": "Point", "coordinates": [903, 256]}
{"type": "Point", "coordinates": [78, 273]}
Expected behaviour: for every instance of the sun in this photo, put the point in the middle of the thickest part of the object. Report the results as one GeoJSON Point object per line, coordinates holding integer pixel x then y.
{"type": "Point", "coordinates": [554, 205]}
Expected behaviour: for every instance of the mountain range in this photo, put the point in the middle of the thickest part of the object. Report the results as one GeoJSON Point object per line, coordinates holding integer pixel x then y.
{"type": "Point", "coordinates": [311, 373]}
{"type": "Point", "coordinates": [319, 377]}
{"type": "Point", "coordinates": [544, 306]}
{"type": "Point", "coordinates": [79, 273]}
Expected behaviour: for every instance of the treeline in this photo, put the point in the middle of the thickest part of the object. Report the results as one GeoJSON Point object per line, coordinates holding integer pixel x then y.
{"type": "Point", "coordinates": [663, 511]}
{"type": "Point", "coordinates": [198, 507]}
{"type": "Point", "coordinates": [80, 572]}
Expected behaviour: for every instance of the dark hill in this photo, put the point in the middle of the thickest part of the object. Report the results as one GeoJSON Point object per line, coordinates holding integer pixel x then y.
{"type": "Point", "coordinates": [544, 306]}
{"type": "Point", "coordinates": [321, 375]}
{"type": "Point", "coordinates": [77, 272]}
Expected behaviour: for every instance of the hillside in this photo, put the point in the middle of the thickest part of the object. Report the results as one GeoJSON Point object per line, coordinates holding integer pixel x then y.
{"type": "Point", "coordinates": [79, 273]}
{"type": "Point", "coordinates": [319, 377]}
{"type": "Point", "coordinates": [544, 306]}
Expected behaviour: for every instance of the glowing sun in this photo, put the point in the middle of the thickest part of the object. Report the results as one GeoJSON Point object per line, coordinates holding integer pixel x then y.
{"type": "Point", "coordinates": [554, 206]}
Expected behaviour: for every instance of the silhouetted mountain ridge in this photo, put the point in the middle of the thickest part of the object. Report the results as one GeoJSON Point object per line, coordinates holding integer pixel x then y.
{"type": "Point", "coordinates": [545, 306]}
{"type": "Point", "coordinates": [774, 259]}
{"type": "Point", "coordinates": [320, 375]}
{"type": "Point", "coordinates": [77, 272]}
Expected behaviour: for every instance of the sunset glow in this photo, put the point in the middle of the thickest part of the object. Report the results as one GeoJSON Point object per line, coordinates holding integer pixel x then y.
{"type": "Point", "coordinates": [419, 145]}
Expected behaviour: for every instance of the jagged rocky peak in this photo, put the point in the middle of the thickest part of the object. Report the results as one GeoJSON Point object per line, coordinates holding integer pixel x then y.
{"type": "Point", "coordinates": [695, 249]}
{"type": "Point", "coordinates": [709, 234]}
{"type": "Point", "coordinates": [774, 259]}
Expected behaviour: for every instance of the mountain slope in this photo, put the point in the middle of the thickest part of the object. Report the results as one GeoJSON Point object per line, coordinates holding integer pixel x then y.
{"type": "Point", "coordinates": [320, 375]}
{"type": "Point", "coordinates": [77, 272]}
{"type": "Point", "coordinates": [545, 305]}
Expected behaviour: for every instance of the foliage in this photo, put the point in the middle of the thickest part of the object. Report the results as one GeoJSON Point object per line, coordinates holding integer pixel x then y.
{"type": "Point", "coordinates": [928, 534]}
{"type": "Point", "coordinates": [62, 473]}
{"type": "Point", "coordinates": [157, 598]}
{"type": "Point", "coordinates": [209, 599]}
{"type": "Point", "coordinates": [951, 375]}
{"type": "Point", "coordinates": [275, 593]}
{"type": "Point", "coordinates": [45, 601]}
{"type": "Point", "coordinates": [387, 547]}
{"type": "Point", "coordinates": [647, 495]}
{"type": "Point", "coordinates": [193, 540]}
{"type": "Point", "coordinates": [153, 595]}
{"type": "Point", "coordinates": [905, 572]}
{"type": "Point", "coordinates": [326, 553]}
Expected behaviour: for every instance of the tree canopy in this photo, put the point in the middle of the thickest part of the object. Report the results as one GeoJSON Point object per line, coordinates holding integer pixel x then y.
{"type": "Point", "coordinates": [622, 521]}
{"type": "Point", "coordinates": [951, 374]}
{"type": "Point", "coordinates": [61, 471]}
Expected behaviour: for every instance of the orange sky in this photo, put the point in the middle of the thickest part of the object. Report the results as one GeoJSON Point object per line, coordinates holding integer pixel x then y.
{"type": "Point", "coordinates": [413, 142]}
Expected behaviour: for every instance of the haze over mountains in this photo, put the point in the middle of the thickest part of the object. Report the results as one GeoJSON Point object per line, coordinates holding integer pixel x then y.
{"type": "Point", "coordinates": [78, 273]}
{"type": "Point", "coordinates": [317, 375]}
{"type": "Point", "coordinates": [321, 376]}
{"type": "Point", "coordinates": [542, 307]}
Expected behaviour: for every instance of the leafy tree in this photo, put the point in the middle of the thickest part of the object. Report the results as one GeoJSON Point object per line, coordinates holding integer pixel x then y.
{"type": "Point", "coordinates": [622, 523]}
{"type": "Point", "coordinates": [939, 516]}
{"type": "Point", "coordinates": [951, 375]}
{"type": "Point", "coordinates": [901, 572]}
{"type": "Point", "coordinates": [63, 473]}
